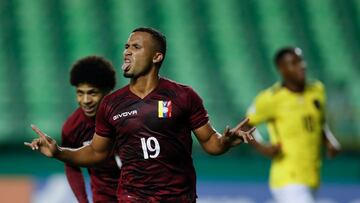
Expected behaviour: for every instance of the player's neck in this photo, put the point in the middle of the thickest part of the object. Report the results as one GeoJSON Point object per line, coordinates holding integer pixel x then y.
{"type": "Point", "coordinates": [293, 87]}
{"type": "Point", "coordinates": [144, 85]}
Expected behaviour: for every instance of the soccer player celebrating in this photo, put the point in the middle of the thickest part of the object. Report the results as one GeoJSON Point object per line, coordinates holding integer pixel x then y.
{"type": "Point", "coordinates": [294, 111]}
{"type": "Point", "coordinates": [93, 77]}
{"type": "Point", "coordinates": [151, 119]}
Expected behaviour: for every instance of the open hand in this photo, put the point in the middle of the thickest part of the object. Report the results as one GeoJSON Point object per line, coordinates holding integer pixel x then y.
{"type": "Point", "coordinates": [44, 143]}
{"type": "Point", "coordinates": [238, 135]}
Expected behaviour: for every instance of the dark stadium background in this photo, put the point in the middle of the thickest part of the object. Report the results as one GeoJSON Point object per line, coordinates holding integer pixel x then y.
{"type": "Point", "coordinates": [222, 48]}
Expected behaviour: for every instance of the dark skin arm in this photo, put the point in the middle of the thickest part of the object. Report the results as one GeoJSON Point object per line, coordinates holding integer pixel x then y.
{"type": "Point", "coordinates": [269, 150]}
{"type": "Point", "coordinates": [85, 156]}
{"type": "Point", "coordinates": [215, 143]}
{"type": "Point", "coordinates": [212, 142]}
{"type": "Point", "coordinates": [273, 150]}
{"type": "Point", "coordinates": [331, 150]}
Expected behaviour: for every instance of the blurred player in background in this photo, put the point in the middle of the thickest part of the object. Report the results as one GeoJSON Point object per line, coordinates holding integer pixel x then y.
{"type": "Point", "coordinates": [294, 111]}
{"type": "Point", "coordinates": [93, 77]}
{"type": "Point", "coordinates": [152, 118]}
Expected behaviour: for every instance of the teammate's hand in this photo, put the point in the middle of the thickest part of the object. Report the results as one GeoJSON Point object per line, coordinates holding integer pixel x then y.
{"type": "Point", "coordinates": [45, 144]}
{"type": "Point", "coordinates": [239, 134]}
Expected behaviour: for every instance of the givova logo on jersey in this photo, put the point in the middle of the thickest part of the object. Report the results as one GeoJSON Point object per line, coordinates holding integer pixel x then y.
{"type": "Point", "coordinates": [125, 114]}
{"type": "Point", "coordinates": [164, 109]}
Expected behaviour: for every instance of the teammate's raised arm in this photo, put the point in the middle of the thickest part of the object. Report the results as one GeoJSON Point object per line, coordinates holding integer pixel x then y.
{"type": "Point", "coordinates": [215, 143]}
{"type": "Point", "coordinates": [94, 153]}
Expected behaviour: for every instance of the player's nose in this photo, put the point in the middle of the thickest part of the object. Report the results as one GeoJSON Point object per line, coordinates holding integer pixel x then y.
{"type": "Point", "coordinates": [127, 52]}
{"type": "Point", "coordinates": [87, 99]}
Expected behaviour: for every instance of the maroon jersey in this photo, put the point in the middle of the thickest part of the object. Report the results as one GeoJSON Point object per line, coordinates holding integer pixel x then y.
{"type": "Point", "coordinates": [154, 140]}
{"type": "Point", "coordinates": [78, 131]}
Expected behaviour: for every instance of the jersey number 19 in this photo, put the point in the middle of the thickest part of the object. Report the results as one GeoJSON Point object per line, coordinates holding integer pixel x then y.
{"type": "Point", "coordinates": [150, 147]}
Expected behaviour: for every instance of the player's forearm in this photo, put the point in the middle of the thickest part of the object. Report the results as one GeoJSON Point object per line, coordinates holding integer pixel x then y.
{"type": "Point", "coordinates": [215, 146]}
{"type": "Point", "coordinates": [267, 150]}
{"type": "Point", "coordinates": [83, 156]}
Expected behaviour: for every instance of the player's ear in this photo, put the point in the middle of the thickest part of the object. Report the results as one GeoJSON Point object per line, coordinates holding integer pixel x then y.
{"type": "Point", "coordinates": [158, 57]}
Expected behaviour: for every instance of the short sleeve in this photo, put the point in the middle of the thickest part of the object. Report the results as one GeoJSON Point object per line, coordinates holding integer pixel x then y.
{"type": "Point", "coordinates": [102, 125]}
{"type": "Point", "coordinates": [198, 115]}
{"type": "Point", "coordinates": [261, 109]}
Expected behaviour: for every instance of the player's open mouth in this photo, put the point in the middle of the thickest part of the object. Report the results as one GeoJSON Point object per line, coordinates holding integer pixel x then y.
{"type": "Point", "coordinates": [88, 109]}
{"type": "Point", "coordinates": [126, 65]}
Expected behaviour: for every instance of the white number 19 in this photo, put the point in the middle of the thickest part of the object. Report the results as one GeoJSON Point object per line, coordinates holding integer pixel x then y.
{"type": "Point", "coordinates": [151, 145]}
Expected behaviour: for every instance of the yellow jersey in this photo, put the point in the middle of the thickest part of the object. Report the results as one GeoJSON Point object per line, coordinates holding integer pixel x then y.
{"type": "Point", "coordinates": [295, 120]}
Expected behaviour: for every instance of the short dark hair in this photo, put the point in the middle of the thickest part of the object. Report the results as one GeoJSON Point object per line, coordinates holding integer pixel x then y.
{"type": "Point", "coordinates": [157, 36]}
{"type": "Point", "coordinates": [94, 70]}
{"type": "Point", "coordinates": [284, 51]}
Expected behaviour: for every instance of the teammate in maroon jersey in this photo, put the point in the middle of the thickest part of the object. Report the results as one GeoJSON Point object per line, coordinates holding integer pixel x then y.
{"type": "Point", "coordinates": [151, 120]}
{"type": "Point", "coordinates": [93, 77]}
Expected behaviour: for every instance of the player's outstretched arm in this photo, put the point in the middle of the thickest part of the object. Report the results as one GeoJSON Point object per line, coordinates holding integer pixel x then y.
{"type": "Point", "coordinates": [88, 155]}
{"type": "Point", "coordinates": [215, 143]}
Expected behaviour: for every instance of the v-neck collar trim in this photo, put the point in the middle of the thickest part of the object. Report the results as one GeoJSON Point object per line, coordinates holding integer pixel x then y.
{"type": "Point", "coordinates": [150, 93]}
